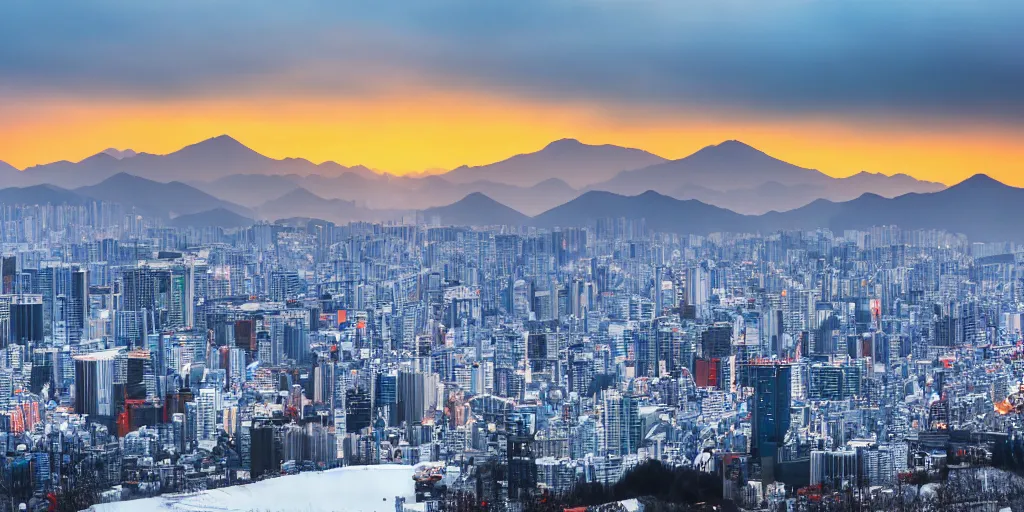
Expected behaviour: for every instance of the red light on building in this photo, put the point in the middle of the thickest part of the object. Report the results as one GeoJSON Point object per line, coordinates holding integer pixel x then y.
{"type": "Point", "coordinates": [706, 374]}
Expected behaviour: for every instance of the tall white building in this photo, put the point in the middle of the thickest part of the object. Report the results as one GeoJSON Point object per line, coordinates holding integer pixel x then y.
{"type": "Point", "coordinates": [206, 420]}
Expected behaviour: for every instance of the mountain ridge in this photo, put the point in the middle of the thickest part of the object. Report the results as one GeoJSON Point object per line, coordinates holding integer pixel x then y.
{"type": "Point", "coordinates": [476, 209]}
{"type": "Point", "coordinates": [980, 207]}
{"type": "Point", "coordinates": [578, 164]}
{"type": "Point", "coordinates": [204, 160]}
{"type": "Point", "coordinates": [730, 174]}
{"type": "Point", "coordinates": [155, 198]}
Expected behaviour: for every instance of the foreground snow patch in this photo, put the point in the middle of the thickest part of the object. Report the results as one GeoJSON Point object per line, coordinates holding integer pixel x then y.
{"type": "Point", "coordinates": [355, 488]}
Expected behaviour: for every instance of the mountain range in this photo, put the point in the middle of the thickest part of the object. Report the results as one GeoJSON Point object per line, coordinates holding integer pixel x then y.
{"type": "Point", "coordinates": [980, 207]}
{"type": "Point", "coordinates": [729, 186]}
{"type": "Point", "coordinates": [476, 209]}
{"type": "Point", "coordinates": [148, 197]}
{"type": "Point", "coordinates": [739, 177]}
{"type": "Point", "coordinates": [209, 159]}
{"type": "Point", "coordinates": [300, 202]}
{"type": "Point", "coordinates": [731, 175]}
{"type": "Point", "coordinates": [155, 198]}
{"type": "Point", "coordinates": [570, 160]}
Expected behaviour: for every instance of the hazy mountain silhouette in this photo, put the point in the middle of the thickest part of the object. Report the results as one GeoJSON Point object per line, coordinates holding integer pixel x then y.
{"type": "Point", "coordinates": [375, 190]}
{"type": "Point", "coordinates": [896, 180]}
{"type": "Point", "coordinates": [532, 200]}
{"type": "Point", "coordinates": [40, 195]}
{"type": "Point", "coordinates": [731, 164]}
{"type": "Point", "coordinates": [389, 192]}
{"type": "Point", "coordinates": [843, 189]}
{"type": "Point", "coordinates": [206, 160]}
{"type": "Point", "coordinates": [303, 203]}
{"type": "Point", "coordinates": [250, 190]}
{"type": "Point", "coordinates": [569, 160]}
{"type": "Point", "coordinates": [437, 191]}
{"type": "Point", "coordinates": [737, 176]}
{"type": "Point", "coordinates": [10, 176]}
{"type": "Point", "coordinates": [476, 209]}
{"type": "Point", "coordinates": [119, 154]}
{"type": "Point", "coordinates": [660, 213]}
{"type": "Point", "coordinates": [155, 198]}
{"type": "Point", "coordinates": [330, 168]}
{"type": "Point", "coordinates": [6, 168]}
{"type": "Point", "coordinates": [980, 207]}
{"type": "Point", "coordinates": [731, 175]}
{"type": "Point", "coordinates": [752, 201]}
{"type": "Point", "coordinates": [218, 217]}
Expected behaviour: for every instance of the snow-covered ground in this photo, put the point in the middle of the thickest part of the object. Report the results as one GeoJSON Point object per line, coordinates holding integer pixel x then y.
{"type": "Point", "coordinates": [355, 488]}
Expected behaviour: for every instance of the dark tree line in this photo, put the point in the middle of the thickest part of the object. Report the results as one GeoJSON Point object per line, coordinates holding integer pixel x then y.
{"type": "Point", "coordinates": [652, 479]}
{"type": "Point", "coordinates": [1008, 454]}
{"type": "Point", "coordinates": [659, 487]}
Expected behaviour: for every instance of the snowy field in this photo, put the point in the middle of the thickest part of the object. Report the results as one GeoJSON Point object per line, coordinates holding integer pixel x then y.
{"type": "Point", "coordinates": [355, 488]}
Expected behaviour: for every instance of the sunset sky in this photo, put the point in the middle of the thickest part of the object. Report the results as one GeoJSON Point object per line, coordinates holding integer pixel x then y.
{"type": "Point", "coordinates": [934, 89]}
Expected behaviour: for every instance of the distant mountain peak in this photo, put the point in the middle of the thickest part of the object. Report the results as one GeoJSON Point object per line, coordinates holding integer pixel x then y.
{"type": "Point", "coordinates": [224, 139]}
{"type": "Point", "coordinates": [731, 147]}
{"type": "Point", "coordinates": [119, 154]}
{"type": "Point", "coordinates": [734, 143]}
{"type": "Point", "coordinates": [651, 194]}
{"type": "Point", "coordinates": [552, 182]}
{"type": "Point", "coordinates": [219, 146]}
{"type": "Point", "coordinates": [570, 160]}
{"type": "Point", "coordinates": [980, 180]}
{"type": "Point", "coordinates": [123, 177]}
{"type": "Point", "coordinates": [476, 208]}
{"type": "Point", "coordinates": [564, 144]}
{"type": "Point", "coordinates": [478, 197]}
{"type": "Point", "coordinates": [300, 194]}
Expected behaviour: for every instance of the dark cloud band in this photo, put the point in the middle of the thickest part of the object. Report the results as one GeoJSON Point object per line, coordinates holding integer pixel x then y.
{"type": "Point", "coordinates": [947, 59]}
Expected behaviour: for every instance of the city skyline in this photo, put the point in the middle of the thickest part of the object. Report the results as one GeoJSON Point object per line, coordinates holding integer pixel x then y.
{"type": "Point", "coordinates": [495, 256]}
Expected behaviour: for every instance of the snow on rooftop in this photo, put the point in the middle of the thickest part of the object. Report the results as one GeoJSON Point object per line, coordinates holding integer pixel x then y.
{"type": "Point", "coordinates": [354, 488]}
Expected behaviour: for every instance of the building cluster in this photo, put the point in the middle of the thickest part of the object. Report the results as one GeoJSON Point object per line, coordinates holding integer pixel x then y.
{"type": "Point", "coordinates": [138, 359]}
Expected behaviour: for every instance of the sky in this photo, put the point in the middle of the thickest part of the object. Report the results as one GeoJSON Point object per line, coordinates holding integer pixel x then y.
{"type": "Point", "coordinates": [931, 88]}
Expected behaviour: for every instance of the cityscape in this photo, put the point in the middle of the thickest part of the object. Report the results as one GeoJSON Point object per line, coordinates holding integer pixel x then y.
{"type": "Point", "coordinates": [580, 256]}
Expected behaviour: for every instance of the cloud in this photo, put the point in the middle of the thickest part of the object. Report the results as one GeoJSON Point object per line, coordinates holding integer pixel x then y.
{"type": "Point", "coordinates": [913, 58]}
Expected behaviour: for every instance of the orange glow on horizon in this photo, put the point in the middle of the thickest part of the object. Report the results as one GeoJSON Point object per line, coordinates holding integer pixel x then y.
{"type": "Point", "coordinates": [415, 132]}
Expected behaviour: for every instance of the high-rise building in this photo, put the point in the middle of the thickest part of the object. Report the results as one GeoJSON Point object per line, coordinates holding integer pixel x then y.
{"type": "Point", "coordinates": [245, 335]}
{"type": "Point", "coordinates": [265, 451]}
{"type": "Point", "coordinates": [135, 383]}
{"type": "Point", "coordinates": [27, 326]}
{"type": "Point", "coordinates": [95, 375]}
{"type": "Point", "coordinates": [771, 407]}
{"type": "Point", "coordinates": [716, 341]}
{"type": "Point", "coordinates": [357, 410]}
{"type": "Point", "coordinates": [206, 415]}
{"type": "Point", "coordinates": [621, 424]}
{"type": "Point", "coordinates": [417, 394]}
